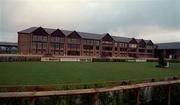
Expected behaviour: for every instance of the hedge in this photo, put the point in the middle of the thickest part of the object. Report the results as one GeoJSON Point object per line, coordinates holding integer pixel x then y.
{"type": "Point", "coordinates": [19, 58]}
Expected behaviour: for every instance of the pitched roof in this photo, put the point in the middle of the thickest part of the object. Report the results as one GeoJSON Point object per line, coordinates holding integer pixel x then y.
{"type": "Point", "coordinates": [28, 31]}
{"type": "Point", "coordinates": [8, 44]}
{"type": "Point", "coordinates": [139, 40]}
{"type": "Point", "coordinates": [147, 41]}
{"type": "Point", "coordinates": [49, 30]}
{"type": "Point", "coordinates": [66, 32]}
{"type": "Point", "coordinates": [121, 39]}
{"type": "Point", "coordinates": [91, 35]}
{"type": "Point", "coordinates": [83, 35]}
{"type": "Point", "coordinates": [170, 45]}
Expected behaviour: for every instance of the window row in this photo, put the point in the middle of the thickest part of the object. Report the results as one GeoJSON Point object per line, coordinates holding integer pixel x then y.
{"type": "Point", "coordinates": [57, 52]}
{"type": "Point", "coordinates": [107, 42]}
{"type": "Point", "coordinates": [74, 46]}
{"type": "Point", "coordinates": [106, 48]}
{"type": "Point", "coordinates": [57, 45]}
{"type": "Point", "coordinates": [39, 51]}
{"type": "Point", "coordinates": [74, 41]}
{"type": "Point", "coordinates": [133, 45]}
{"type": "Point", "coordinates": [88, 47]}
{"type": "Point", "coordinates": [88, 53]}
{"type": "Point", "coordinates": [88, 42]}
{"type": "Point", "coordinates": [123, 44]}
{"type": "Point", "coordinates": [39, 38]}
{"type": "Point", "coordinates": [38, 45]}
{"type": "Point", "coordinates": [57, 39]}
{"type": "Point", "coordinates": [142, 46]}
{"type": "Point", "coordinates": [60, 45]}
{"type": "Point", "coordinates": [149, 47]}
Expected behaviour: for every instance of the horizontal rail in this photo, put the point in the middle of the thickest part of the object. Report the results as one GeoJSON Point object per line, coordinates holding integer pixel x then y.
{"type": "Point", "coordinates": [84, 91]}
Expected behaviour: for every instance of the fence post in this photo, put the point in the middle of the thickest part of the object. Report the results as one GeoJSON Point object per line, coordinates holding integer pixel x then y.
{"type": "Point", "coordinates": [137, 96]}
{"type": "Point", "coordinates": [169, 95]}
{"type": "Point", "coordinates": [32, 100]}
{"type": "Point", "coordinates": [94, 99]}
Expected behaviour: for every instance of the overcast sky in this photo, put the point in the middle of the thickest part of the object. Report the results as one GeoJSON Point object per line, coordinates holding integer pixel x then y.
{"type": "Point", "coordinates": [158, 20]}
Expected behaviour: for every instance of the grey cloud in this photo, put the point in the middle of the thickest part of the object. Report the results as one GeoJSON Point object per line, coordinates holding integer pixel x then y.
{"type": "Point", "coordinates": [164, 14]}
{"type": "Point", "coordinates": [128, 17]}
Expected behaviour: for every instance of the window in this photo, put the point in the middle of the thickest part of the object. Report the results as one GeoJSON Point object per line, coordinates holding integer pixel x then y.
{"type": "Point", "coordinates": [55, 45]}
{"type": "Point", "coordinates": [149, 51]}
{"type": "Point", "coordinates": [115, 44]}
{"type": "Point", "coordinates": [44, 45]}
{"type": "Point", "coordinates": [141, 50]}
{"type": "Point", "coordinates": [88, 47]}
{"type": "Point", "coordinates": [107, 48]}
{"type": "Point", "coordinates": [74, 46]}
{"type": "Point", "coordinates": [132, 50]}
{"type": "Point", "coordinates": [107, 42]}
{"type": "Point", "coordinates": [34, 45]}
{"type": "Point", "coordinates": [97, 47]}
{"type": "Point", "coordinates": [97, 42]}
{"type": "Point", "coordinates": [55, 39]}
{"type": "Point", "coordinates": [61, 46]}
{"type": "Point", "coordinates": [61, 40]}
{"type": "Point", "coordinates": [142, 45]}
{"type": "Point", "coordinates": [88, 42]}
{"type": "Point", "coordinates": [132, 45]}
{"type": "Point", "coordinates": [123, 49]}
{"type": "Point", "coordinates": [149, 47]}
{"type": "Point", "coordinates": [44, 38]}
{"type": "Point", "coordinates": [75, 41]}
{"type": "Point", "coordinates": [125, 44]}
{"type": "Point", "coordinates": [121, 44]}
{"type": "Point", "coordinates": [39, 38]}
{"type": "Point", "coordinates": [39, 45]}
{"type": "Point", "coordinates": [35, 38]}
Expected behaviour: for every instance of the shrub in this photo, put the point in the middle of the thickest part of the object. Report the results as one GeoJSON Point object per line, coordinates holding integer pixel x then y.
{"type": "Point", "coordinates": [19, 58]}
{"type": "Point", "coordinates": [107, 60]}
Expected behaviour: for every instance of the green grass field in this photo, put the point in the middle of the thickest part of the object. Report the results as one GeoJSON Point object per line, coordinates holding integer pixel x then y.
{"type": "Point", "coordinates": [35, 73]}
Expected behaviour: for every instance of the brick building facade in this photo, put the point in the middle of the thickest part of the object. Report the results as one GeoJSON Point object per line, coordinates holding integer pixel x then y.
{"type": "Point", "coordinates": [41, 41]}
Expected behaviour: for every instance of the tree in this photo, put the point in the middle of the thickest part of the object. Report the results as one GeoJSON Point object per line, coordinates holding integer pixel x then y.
{"type": "Point", "coordinates": [162, 62]}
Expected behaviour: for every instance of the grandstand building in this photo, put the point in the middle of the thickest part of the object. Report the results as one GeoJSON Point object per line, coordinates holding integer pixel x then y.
{"type": "Point", "coordinates": [8, 48]}
{"type": "Point", "coordinates": [169, 50]}
{"type": "Point", "coordinates": [57, 42]}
